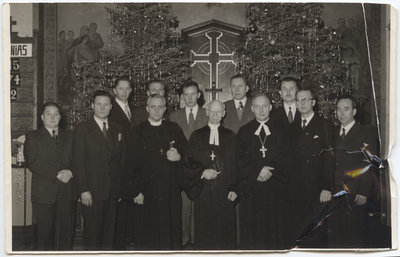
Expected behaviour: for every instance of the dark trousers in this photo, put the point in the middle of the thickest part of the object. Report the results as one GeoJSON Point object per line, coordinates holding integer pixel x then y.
{"type": "Point", "coordinates": [347, 227]}
{"type": "Point", "coordinates": [54, 226]}
{"type": "Point", "coordinates": [124, 231]}
{"type": "Point", "coordinates": [99, 224]}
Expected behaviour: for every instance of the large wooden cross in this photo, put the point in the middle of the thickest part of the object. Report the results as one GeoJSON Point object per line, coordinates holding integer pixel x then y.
{"type": "Point", "coordinates": [213, 58]}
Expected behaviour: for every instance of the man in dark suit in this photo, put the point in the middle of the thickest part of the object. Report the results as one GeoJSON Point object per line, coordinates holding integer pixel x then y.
{"type": "Point", "coordinates": [287, 113]}
{"type": "Point", "coordinates": [190, 118]}
{"type": "Point", "coordinates": [98, 155]}
{"type": "Point", "coordinates": [121, 113]}
{"type": "Point", "coordinates": [139, 114]}
{"type": "Point", "coordinates": [48, 155]}
{"type": "Point", "coordinates": [238, 110]}
{"type": "Point", "coordinates": [349, 225]}
{"type": "Point", "coordinates": [310, 182]}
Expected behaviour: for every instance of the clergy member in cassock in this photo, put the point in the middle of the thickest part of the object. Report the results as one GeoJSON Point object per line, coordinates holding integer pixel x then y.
{"type": "Point", "coordinates": [310, 182]}
{"type": "Point", "coordinates": [210, 172]}
{"type": "Point", "coordinates": [261, 159]}
{"type": "Point", "coordinates": [153, 178]}
{"type": "Point", "coordinates": [139, 114]}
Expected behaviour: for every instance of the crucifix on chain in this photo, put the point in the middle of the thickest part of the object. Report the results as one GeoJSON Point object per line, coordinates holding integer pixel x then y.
{"type": "Point", "coordinates": [263, 150]}
{"type": "Point", "coordinates": [212, 155]}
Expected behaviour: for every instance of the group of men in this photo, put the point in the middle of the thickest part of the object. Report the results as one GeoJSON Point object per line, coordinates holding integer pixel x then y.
{"type": "Point", "coordinates": [235, 175]}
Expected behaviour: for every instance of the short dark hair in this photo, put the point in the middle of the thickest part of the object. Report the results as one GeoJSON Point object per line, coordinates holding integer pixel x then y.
{"type": "Point", "coordinates": [116, 82]}
{"type": "Point", "coordinates": [238, 76]}
{"type": "Point", "coordinates": [61, 32]}
{"type": "Point", "coordinates": [190, 83]}
{"type": "Point", "coordinates": [101, 93]}
{"type": "Point", "coordinates": [307, 89]}
{"type": "Point", "coordinates": [154, 81]}
{"type": "Point", "coordinates": [354, 102]}
{"type": "Point", "coordinates": [54, 104]}
{"type": "Point", "coordinates": [290, 79]}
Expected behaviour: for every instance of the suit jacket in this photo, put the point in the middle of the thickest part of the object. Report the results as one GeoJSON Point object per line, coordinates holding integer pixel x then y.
{"type": "Point", "coordinates": [97, 160]}
{"type": "Point", "coordinates": [139, 115]}
{"type": "Point", "coordinates": [45, 156]}
{"type": "Point", "coordinates": [353, 141]}
{"type": "Point", "coordinates": [231, 119]}
{"type": "Point", "coordinates": [118, 115]}
{"type": "Point", "coordinates": [312, 168]}
{"type": "Point", "coordinates": [180, 117]}
{"type": "Point", "coordinates": [279, 116]}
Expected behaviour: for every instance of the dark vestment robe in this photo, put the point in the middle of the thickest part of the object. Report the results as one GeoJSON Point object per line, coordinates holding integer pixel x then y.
{"type": "Point", "coordinates": [348, 227]}
{"type": "Point", "coordinates": [260, 205]}
{"type": "Point", "coordinates": [311, 172]}
{"type": "Point", "coordinates": [148, 171]}
{"type": "Point", "coordinates": [214, 214]}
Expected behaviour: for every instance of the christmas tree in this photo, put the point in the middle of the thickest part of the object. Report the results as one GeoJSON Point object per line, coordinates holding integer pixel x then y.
{"type": "Point", "coordinates": [290, 39]}
{"type": "Point", "coordinates": [146, 46]}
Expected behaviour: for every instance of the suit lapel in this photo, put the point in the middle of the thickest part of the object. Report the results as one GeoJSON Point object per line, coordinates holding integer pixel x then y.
{"type": "Point", "coordinates": [121, 112]}
{"type": "Point", "coordinates": [97, 132]}
{"type": "Point", "coordinates": [246, 110]}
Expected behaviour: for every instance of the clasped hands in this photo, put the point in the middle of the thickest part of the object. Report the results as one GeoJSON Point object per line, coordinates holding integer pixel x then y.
{"type": "Point", "coordinates": [265, 174]}
{"type": "Point", "coordinates": [64, 176]}
{"type": "Point", "coordinates": [173, 155]}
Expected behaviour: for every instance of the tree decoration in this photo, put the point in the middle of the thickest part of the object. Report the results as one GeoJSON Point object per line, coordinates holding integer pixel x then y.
{"type": "Point", "coordinates": [290, 39]}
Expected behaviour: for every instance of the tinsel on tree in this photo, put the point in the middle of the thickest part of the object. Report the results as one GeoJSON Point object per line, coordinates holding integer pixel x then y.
{"type": "Point", "coordinates": [290, 39]}
{"type": "Point", "coordinates": [145, 46]}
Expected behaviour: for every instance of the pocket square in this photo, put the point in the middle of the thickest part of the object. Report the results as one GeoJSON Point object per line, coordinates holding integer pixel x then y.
{"type": "Point", "coordinates": [315, 137]}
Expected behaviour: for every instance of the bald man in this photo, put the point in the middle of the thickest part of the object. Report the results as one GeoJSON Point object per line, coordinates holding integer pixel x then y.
{"type": "Point", "coordinates": [210, 173]}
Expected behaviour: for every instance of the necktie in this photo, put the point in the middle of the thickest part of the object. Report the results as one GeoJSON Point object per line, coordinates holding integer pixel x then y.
{"type": "Point", "coordinates": [105, 129]}
{"type": "Point", "coordinates": [343, 133]}
{"type": "Point", "coordinates": [290, 115]}
{"type": "Point", "coordinates": [54, 135]}
{"type": "Point", "coordinates": [191, 120]}
{"type": "Point", "coordinates": [128, 112]}
{"type": "Point", "coordinates": [304, 124]}
{"type": "Point", "coordinates": [240, 110]}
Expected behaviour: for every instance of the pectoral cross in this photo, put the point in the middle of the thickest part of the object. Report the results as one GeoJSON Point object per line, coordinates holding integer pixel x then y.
{"type": "Point", "coordinates": [263, 150]}
{"type": "Point", "coordinates": [212, 155]}
{"type": "Point", "coordinates": [161, 151]}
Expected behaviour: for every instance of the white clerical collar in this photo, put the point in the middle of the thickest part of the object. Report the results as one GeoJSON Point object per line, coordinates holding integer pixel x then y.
{"type": "Point", "coordinates": [237, 104]}
{"type": "Point", "coordinates": [100, 122]}
{"type": "Point", "coordinates": [155, 123]}
{"type": "Point", "coordinates": [214, 135]}
{"type": "Point", "coordinates": [292, 106]}
{"type": "Point", "coordinates": [194, 110]}
{"type": "Point", "coordinates": [347, 127]}
{"type": "Point", "coordinates": [50, 130]}
{"type": "Point", "coordinates": [308, 119]}
{"type": "Point", "coordinates": [121, 104]}
{"type": "Point", "coordinates": [262, 126]}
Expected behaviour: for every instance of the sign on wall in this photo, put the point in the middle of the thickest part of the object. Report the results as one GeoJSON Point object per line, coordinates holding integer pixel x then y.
{"type": "Point", "coordinates": [21, 50]}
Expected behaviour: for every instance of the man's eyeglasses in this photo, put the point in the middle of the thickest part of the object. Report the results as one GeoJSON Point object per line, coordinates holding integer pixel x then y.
{"type": "Point", "coordinates": [304, 100]}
